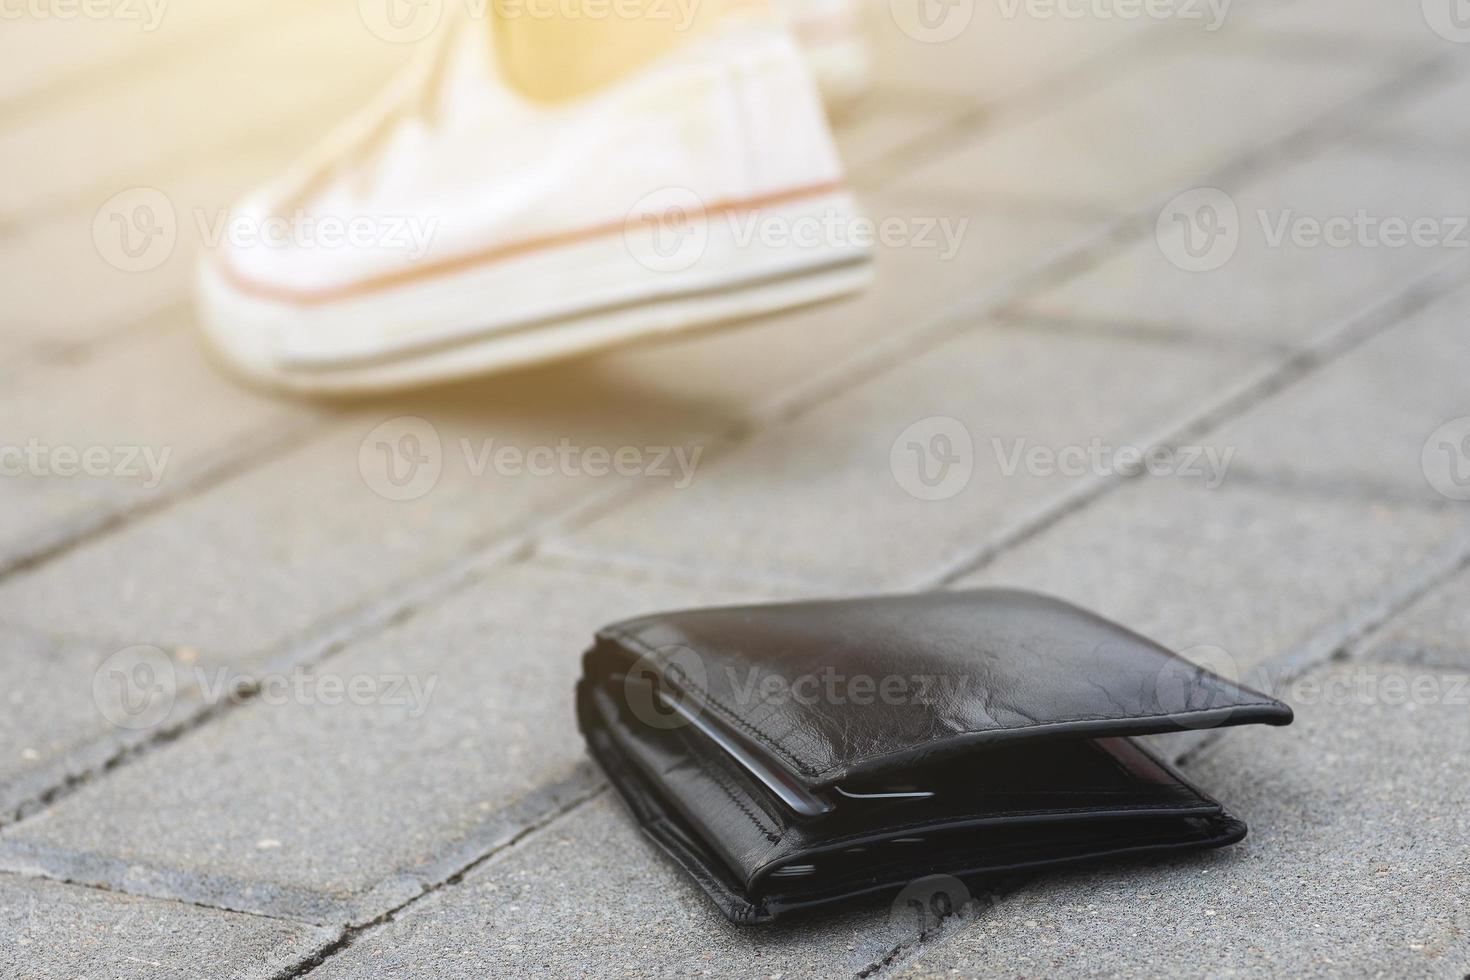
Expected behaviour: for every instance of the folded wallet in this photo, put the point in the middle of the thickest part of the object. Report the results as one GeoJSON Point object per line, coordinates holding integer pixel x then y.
{"type": "Point", "coordinates": [794, 755]}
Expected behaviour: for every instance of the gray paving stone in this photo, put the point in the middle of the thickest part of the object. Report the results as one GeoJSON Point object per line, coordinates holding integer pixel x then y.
{"type": "Point", "coordinates": [269, 74]}
{"type": "Point", "coordinates": [1254, 572]}
{"type": "Point", "coordinates": [737, 371]}
{"type": "Point", "coordinates": [40, 52]}
{"type": "Point", "coordinates": [1436, 630]}
{"type": "Point", "coordinates": [1283, 288]}
{"type": "Point", "coordinates": [242, 568]}
{"type": "Point", "coordinates": [149, 440]}
{"type": "Point", "coordinates": [214, 586]}
{"type": "Point", "coordinates": [1436, 116]}
{"type": "Point", "coordinates": [243, 573]}
{"type": "Point", "coordinates": [876, 128]}
{"type": "Point", "coordinates": [993, 52]}
{"type": "Point", "coordinates": [200, 154]}
{"type": "Point", "coordinates": [52, 930]}
{"type": "Point", "coordinates": [1144, 131]}
{"type": "Point", "coordinates": [588, 896]}
{"type": "Point", "coordinates": [49, 712]}
{"type": "Point", "coordinates": [1367, 423]}
{"type": "Point", "coordinates": [820, 501]}
{"type": "Point", "coordinates": [1383, 22]}
{"type": "Point", "coordinates": [321, 807]}
{"type": "Point", "coordinates": [1356, 864]}
{"type": "Point", "coordinates": [72, 294]}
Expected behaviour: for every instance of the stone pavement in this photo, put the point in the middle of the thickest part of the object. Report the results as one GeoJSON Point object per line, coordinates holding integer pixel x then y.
{"type": "Point", "coordinates": [273, 714]}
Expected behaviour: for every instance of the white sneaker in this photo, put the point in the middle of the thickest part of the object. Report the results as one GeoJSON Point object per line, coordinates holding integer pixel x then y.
{"type": "Point", "coordinates": [835, 44]}
{"type": "Point", "coordinates": [484, 232]}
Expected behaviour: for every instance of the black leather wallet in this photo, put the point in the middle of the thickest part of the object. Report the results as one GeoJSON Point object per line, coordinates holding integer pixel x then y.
{"type": "Point", "coordinates": [794, 755]}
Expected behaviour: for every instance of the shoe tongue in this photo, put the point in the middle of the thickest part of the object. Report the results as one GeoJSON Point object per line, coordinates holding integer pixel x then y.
{"type": "Point", "coordinates": [452, 77]}
{"type": "Point", "coordinates": [460, 68]}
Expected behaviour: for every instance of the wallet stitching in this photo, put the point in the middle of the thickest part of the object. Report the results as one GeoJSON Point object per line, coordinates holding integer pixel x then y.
{"type": "Point", "coordinates": [722, 780]}
{"type": "Point", "coordinates": [663, 831]}
{"type": "Point", "coordinates": [816, 772]}
{"type": "Point", "coordinates": [718, 703]}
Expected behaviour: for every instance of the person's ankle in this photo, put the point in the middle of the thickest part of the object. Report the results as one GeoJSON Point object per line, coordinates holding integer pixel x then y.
{"type": "Point", "coordinates": [574, 54]}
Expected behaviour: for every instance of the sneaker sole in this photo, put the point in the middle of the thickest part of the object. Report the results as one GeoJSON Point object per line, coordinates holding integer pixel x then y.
{"type": "Point", "coordinates": [756, 280]}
